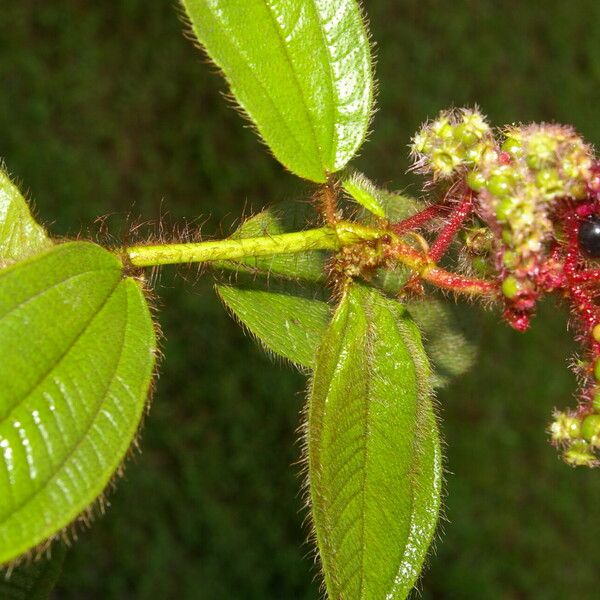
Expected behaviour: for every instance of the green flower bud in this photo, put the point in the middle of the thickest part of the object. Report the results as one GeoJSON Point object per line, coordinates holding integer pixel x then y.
{"type": "Point", "coordinates": [511, 287]}
{"type": "Point", "coordinates": [442, 128]}
{"type": "Point", "coordinates": [505, 208]}
{"type": "Point", "coordinates": [565, 427]}
{"type": "Point", "coordinates": [590, 428]}
{"type": "Point", "coordinates": [466, 134]}
{"type": "Point", "coordinates": [500, 184]}
{"type": "Point", "coordinates": [513, 147]}
{"type": "Point", "coordinates": [596, 401]}
{"type": "Point", "coordinates": [549, 181]}
{"type": "Point", "coordinates": [579, 454]}
{"type": "Point", "coordinates": [507, 236]}
{"type": "Point", "coordinates": [475, 180]}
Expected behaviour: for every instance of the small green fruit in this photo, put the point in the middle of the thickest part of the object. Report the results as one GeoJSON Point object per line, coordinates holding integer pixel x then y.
{"type": "Point", "coordinates": [500, 185]}
{"type": "Point", "coordinates": [590, 428]}
{"type": "Point", "coordinates": [475, 180]}
{"type": "Point", "coordinates": [511, 287]}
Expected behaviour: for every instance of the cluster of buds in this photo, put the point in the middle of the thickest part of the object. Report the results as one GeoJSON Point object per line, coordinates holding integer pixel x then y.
{"type": "Point", "coordinates": [536, 191]}
{"type": "Point", "coordinates": [454, 142]}
{"type": "Point", "coordinates": [519, 181]}
{"type": "Point", "coordinates": [579, 436]}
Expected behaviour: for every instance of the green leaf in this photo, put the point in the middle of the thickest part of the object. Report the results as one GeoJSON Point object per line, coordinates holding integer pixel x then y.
{"type": "Point", "coordinates": [300, 70]}
{"type": "Point", "coordinates": [20, 235]}
{"type": "Point", "coordinates": [375, 466]}
{"type": "Point", "coordinates": [287, 217]}
{"type": "Point", "coordinates": [394, 206]}
{"type": "Point", "coordinates": [288, 319]}
{"type": "Point", "coordinates": [78, 349]}
{"type": "Point", "coordinates": [33, 581]}
{"type": "Point", "coordinates": [364, 192]}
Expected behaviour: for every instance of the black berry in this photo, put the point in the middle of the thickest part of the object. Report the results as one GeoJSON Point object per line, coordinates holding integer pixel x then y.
{"type": "Point", "coordinates": [589, 236]}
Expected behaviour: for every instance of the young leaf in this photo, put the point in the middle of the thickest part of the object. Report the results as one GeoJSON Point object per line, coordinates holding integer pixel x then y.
{"type": "Point", "coordinates": [301, 71]}
{"type": "Point", "coordinates": [33, 581]}
{"type": "Point", "coordinates": [77, 356]}
{"type": "Point", "coordinates": [378, 201]}
{"type": "Point", "coordinates": [20, 235]}
{"type": "Point", "coordinates": [363, 191]}
{"type": "Point", "coordinates": [286, 217]}
{"type": "Point", "coordinates": [289, 319]}
{"type": "Point", "coordinates": [374, 459]}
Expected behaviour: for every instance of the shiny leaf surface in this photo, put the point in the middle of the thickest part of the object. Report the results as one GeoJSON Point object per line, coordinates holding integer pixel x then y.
{"type": "Point", "coordinates": [300, 70]}
{"type": "Point", "coordinates": [78, 348]}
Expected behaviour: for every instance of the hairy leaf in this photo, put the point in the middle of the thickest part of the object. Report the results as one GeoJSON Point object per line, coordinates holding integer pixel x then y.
{"type": "Point", "coordinates": [394, 206]}
{"type": "Point", "coordinates": [300, 70]}
{"type": "Point", "coordinates": [288, 318]}
{"type": "Point", "coordinates": [360, 189]}
{"type": "Point", "coordinates": [77, 356]}
{"type": "Point", "coordinates": [286, 217]}
{"type": "Point", "coordinates": [373, 450]}
{"type": "Point", "coordinates": [20, 235]}
{"type": "Point", "coordinates": [33, 581]}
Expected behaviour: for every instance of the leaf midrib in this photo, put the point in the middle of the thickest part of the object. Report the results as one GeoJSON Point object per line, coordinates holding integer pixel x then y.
{"type": "Point", "coordinates": [97, 409]}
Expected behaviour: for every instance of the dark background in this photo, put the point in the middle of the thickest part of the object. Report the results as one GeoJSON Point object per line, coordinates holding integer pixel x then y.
{"type": "Point", "coordinates": [105, 109]}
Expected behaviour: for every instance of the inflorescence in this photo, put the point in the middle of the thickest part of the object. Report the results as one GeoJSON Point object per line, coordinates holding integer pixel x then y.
{"type": "Point", "coordinates": [528, 198]}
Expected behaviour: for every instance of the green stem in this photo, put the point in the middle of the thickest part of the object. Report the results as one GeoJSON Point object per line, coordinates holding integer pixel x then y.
{"type": "Point", "coordinates": [324, 238]}
{"type": "Point", "coordinates": [332, 238]}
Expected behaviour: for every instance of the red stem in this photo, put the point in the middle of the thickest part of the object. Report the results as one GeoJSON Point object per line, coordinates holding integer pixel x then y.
{"type": "Point", "coordinates": [459, 216]}
{"type": "Point", "coordinates": [418, 219]}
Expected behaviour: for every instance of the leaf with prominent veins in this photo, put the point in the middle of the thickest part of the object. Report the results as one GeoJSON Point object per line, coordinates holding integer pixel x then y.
{"type": "Point", "coordinates": [300, 69]}
{"type": "Point", "coordinates": [78, 349]}
{"type": "Point", "coordinates": [375, 466]}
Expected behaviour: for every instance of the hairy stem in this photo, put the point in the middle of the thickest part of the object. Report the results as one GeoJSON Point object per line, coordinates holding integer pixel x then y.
{"type": "Point", "coordinates": [324, 238]}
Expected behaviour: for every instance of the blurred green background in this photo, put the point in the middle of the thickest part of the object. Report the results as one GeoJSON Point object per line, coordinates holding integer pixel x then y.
{"type": "Point", "coordinates": [105, 109]}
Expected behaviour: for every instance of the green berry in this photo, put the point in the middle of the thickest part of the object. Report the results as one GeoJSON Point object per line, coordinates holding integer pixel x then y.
{"type": "Point", "coordinates": [475, 180]}
{"type": "Point", "coordinates": [500, 185]}
{"type": "Point", "coordinates": [512, 146]}
{"type": "Point", "coordinates": [480, 266]}
{"type": "Point", "coordinates": [504, 209]}
{"type": "Point", "coordinates": [596, 401]}
{"type": "Point", "coordinates": [596, 332]}
{"type": "Point", "coordinates": [465, 134]}
{"type": "Point", "coordinates": [590, 427]}
{"type": "Point", "coordinates": [511, 287]}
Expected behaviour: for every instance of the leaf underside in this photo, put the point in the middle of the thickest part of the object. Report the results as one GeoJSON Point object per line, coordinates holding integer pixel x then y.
{"type": "Point", "coordinates": [288, 318]}
{"type": "Point", "coordinates": [375, 467]}
{"type": "Point", "coordinates": [78, 348]}
{"type": "Point", "coordinates": [301, 70]}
